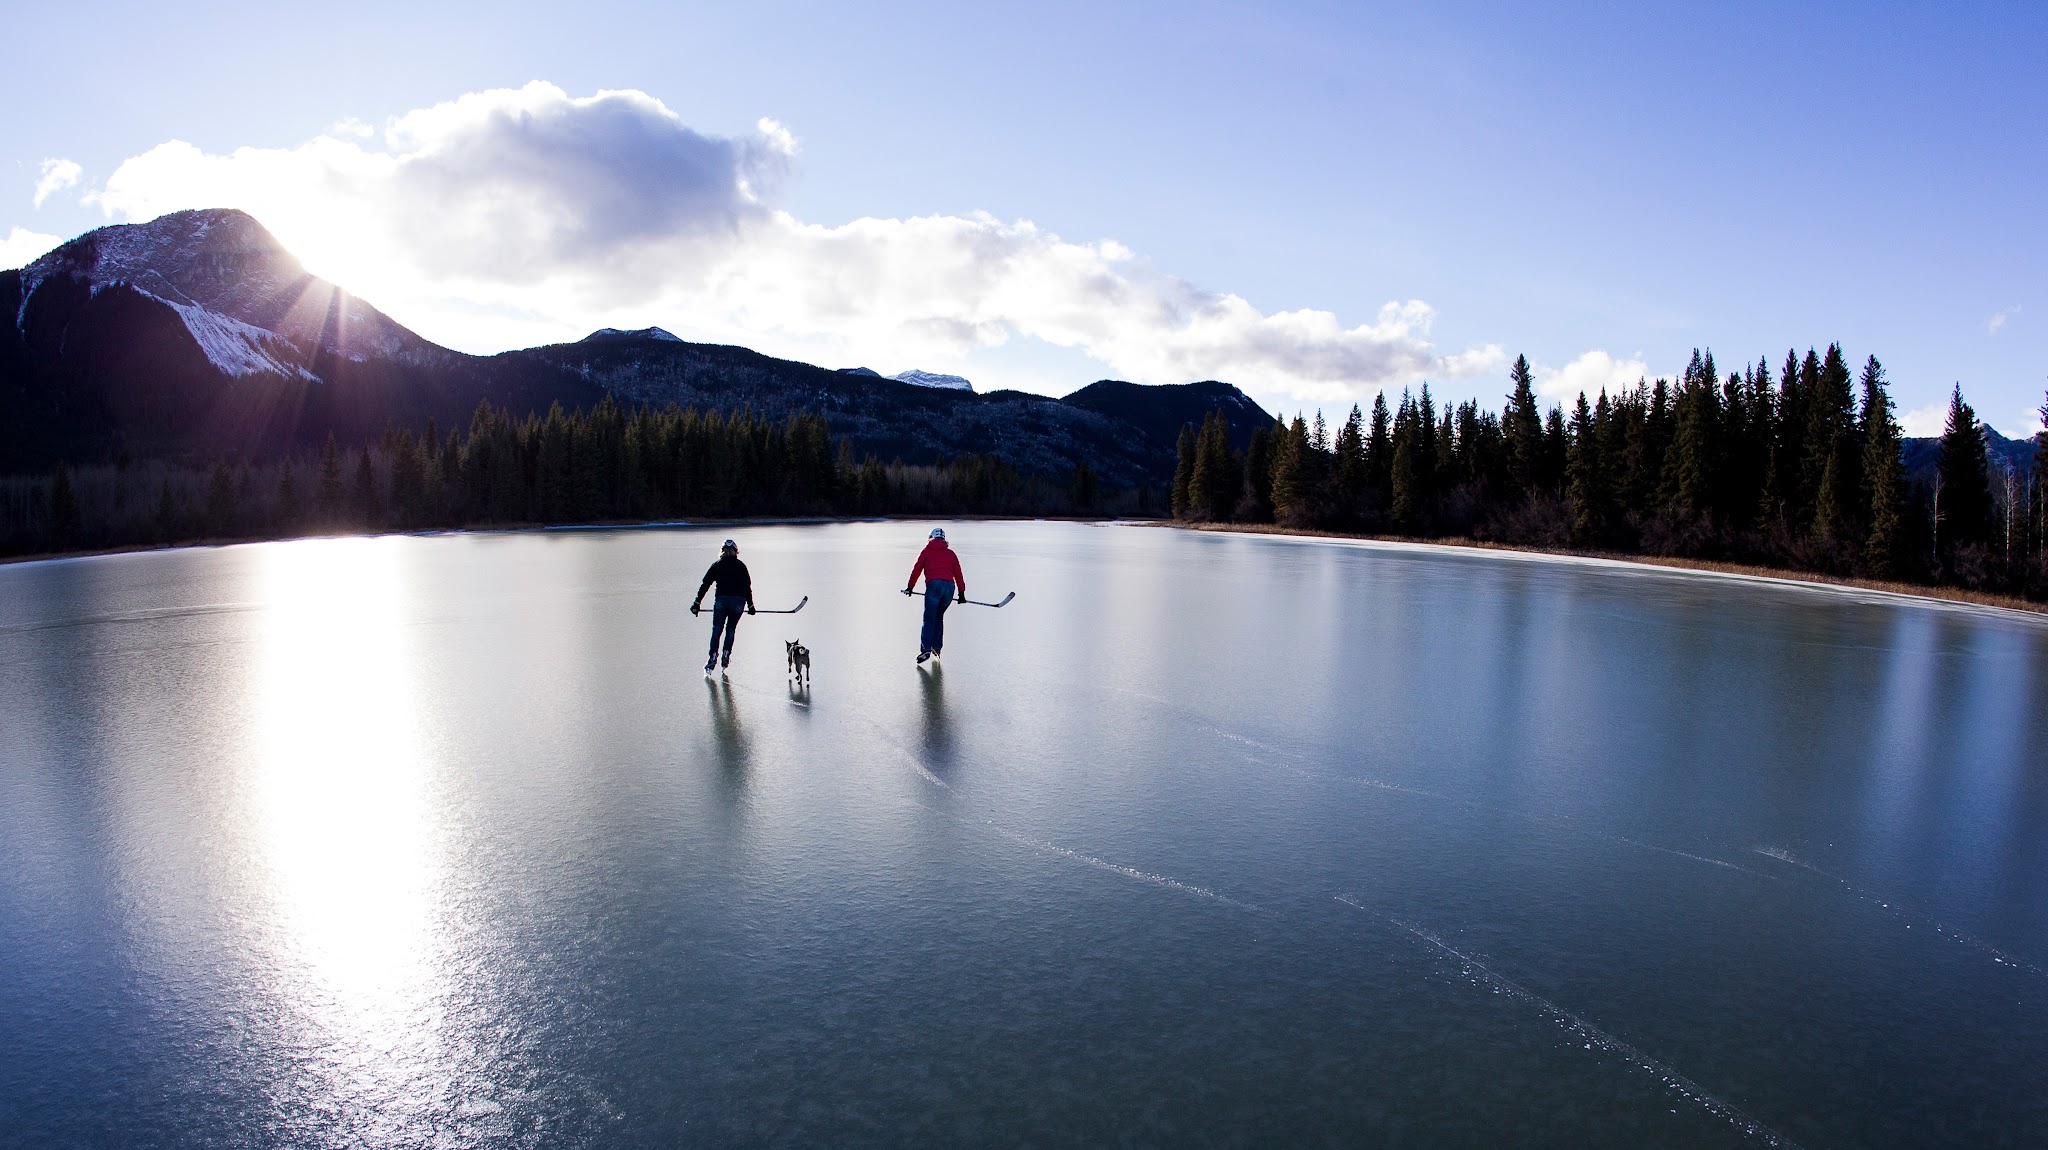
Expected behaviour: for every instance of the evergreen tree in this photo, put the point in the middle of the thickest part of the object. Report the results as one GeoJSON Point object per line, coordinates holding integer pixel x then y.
{"type": "Point", "coordinates": [408, 480]}
{"type": "Point", "coordinates": [1290, 474]}
{"type": "Point", "coordinates": [1349, 475]}
{"type": "Point", "coordinates": [1583, 493]}
{"type": "Point", "coordinates": [1426, 451]}
{"type": "Point", "coordinates": [1183, 471]}
{"type": "Point", "coordinates": [63, 509]}
{"type": "Point", "coordinates": [1884, 470]}
{"type": "Point", "coordinates": [1523, 425]}
{"type": "Point", "coordinates": [1555, 447]}
{"type": "Point", "coordinates": [2039, 483]}
{"type": "Point", "coordinates": [1082, 488]}
{"type": "Point", "coordinates": [166, 518]}
{"type": "Point", "coordinates": [1649, 418]}
{"type": "Point", "coordinates": [1409, 482]}
{"type": "Point", "coordinates": [1787, 494]}
{"type": "Point", "coordinates": [287, 498]}
{"type": "Point", "coordinates": [330, 492]}
{"type": "Point", "coordinates": [1743, 460]}
{"type": "Point", "coordinates": [1379, 453]}
{"type": "Point", "coordinates": [1691, 467]}
{"type": "Point", "coordinates": [1756, 504]}
{"type": "Point", "coordinates": [1217, 479]}
{"type": "Point", "coordinates": [1256, 504]}
{"type": "Point", "coordinates": [1447, 455]}
{"type": "Point", "coordinates": [220, 502]}
{"type": "Point", "coordinates": [1964, 515]}
{"type": "Point", "coordinates": [1611, 452]}
{"type": "Point", "coordinates": [1830, 412]}
{"type": "Point", "coordinates": [368, 506]}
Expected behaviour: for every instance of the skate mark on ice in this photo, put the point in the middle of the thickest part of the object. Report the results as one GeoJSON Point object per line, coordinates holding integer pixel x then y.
{"type": "Point", "coordinates": [1167, 882]}
{"type": "Point", "coordinates": [1277, 758]}
{"type": "Point", "coordinates": [1160, 880]}
{"type": "Point", "coordinates": [1901, 911]}
{"type": "Point", "coordinates": [1593, 1038]}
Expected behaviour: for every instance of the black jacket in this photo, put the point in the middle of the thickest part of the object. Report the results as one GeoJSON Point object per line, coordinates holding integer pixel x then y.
{"type": "Point", "coordinates": [731, 576]}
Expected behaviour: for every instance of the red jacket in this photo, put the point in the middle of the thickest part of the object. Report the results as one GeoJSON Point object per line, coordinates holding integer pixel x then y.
{"type": "Point", "coordinates": [937, 561]}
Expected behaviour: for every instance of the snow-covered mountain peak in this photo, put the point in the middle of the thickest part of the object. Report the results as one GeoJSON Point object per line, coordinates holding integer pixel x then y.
{"type": "Point", "coordinates": [223, 272]}
{"type": "Point", "coordinates": [933, 379]}
{"type": "Point", "coordinates": [606, 334]}
{"type": "Point", "coordinates": [193, 257]}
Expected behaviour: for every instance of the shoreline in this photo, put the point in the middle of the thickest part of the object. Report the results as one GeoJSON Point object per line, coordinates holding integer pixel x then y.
{"type": "Point", "coordinates": [1953, 596]}
{"type": "Point", "coordinates": [542, 528]}
{"type": "Point", "coordinates": [1950, 596]}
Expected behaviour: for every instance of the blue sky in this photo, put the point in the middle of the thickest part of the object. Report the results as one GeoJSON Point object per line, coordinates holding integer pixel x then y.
{"type": "Point", "coordinates": [1620, 179]}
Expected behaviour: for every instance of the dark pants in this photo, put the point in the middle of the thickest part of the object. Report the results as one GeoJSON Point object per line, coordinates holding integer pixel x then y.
{"type": "Point", "coordinates": [938, 595]}
{"type": "Point", "coordinates": [725, 617]}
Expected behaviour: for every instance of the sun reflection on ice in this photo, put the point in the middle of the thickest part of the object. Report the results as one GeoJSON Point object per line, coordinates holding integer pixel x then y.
{"type": "Point", "coordinates": [345, 828]}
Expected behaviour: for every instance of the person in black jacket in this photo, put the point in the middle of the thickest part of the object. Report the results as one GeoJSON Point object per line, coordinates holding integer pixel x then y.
{"type": "Point", "coordinates": [735, 591]}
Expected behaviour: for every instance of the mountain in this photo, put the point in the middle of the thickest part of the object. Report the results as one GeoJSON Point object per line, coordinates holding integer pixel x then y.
{"type": "Point", "coordinates": [1923, 455]}
{"type": "Point", "coordinates": [886, 417]}
{"type": "Point", "coordinates": [609, 333]}
{"type": "Point", "coordinates": [198, 335]}
{"type": "Point", "coordinates": [933, 379]}
{"type": "Point", "coordinates": [1159, 412]}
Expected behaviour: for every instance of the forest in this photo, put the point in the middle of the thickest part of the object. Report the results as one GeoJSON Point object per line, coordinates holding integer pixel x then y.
{"type": "Point", "coordinates": [1803, 469]}
{"type": "Point", "coordinates": [610, 464]}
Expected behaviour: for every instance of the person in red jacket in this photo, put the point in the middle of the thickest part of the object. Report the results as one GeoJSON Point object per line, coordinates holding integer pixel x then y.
{"type": "Point", "coordinates": [943, 582]}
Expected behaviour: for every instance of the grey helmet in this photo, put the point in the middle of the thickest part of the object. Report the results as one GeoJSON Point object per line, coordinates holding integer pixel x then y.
{"type": "Point", "coordinates": [938, 533]}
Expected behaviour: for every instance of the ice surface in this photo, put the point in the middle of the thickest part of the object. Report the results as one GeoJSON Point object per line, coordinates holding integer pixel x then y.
{"type": "Point", "coordinates": [438, 840]}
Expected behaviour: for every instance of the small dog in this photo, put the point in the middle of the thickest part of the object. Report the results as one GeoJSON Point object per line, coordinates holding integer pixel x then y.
{"type": "Point", "coordinates": [799, 661]}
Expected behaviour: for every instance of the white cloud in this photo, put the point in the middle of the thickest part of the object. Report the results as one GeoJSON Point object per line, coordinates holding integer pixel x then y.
{"type": "Point", "coordinates": [20, 247]}
{"type": "Point", "coordinates": [2027, 425]}
{"type": "Point", "coordinates": [1922, 422]}
{"type": "Point", "coordinates": [1930, 421]}
{"type": "Point", "coordinates": [515, 216]}
{"type": "Point", "coordinates": [1998, 319]}
{"type": "Point", "coordinates": [1589, 374]}
{"type": "Point", "coordinates": [57, 174]}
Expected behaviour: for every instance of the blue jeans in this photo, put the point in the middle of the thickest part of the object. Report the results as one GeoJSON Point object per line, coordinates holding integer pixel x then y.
{"type": "Point", "coordinates": [938, 595]}
{"type": "Point", "coordinates": [725, 617]}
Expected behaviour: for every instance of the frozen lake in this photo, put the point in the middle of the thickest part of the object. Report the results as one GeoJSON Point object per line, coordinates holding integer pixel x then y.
{"type": "Point", "coordinates": [1204, 838]}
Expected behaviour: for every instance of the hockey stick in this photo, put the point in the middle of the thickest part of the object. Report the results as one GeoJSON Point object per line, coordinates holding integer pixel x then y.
{"type": "Point", "coordinates": [791, 611]}
{"type": "Point", "coordinates": [979, 603]}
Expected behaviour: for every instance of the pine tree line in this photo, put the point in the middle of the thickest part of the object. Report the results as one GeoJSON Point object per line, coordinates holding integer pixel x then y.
{"type": "Point", "coordinates": [609, 464]}
{"type": "Point", "coordinates": [1803, 469]}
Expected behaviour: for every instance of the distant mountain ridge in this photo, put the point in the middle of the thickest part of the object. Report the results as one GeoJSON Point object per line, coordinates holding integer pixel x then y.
{"type": "Point", "coordinates": [933, 379]}
{"type": "Point", "coordinates": [197, 334]}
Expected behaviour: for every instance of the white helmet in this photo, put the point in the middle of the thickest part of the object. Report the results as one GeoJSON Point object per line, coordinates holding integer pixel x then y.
{"type": "Point", "coordinates": [938, 533]}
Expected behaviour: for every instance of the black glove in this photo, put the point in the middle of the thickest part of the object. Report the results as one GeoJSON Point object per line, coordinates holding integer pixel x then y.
{"type": "Point", "coordinates": [962, 598]}
{"type": "Point", "coordinates": [695, 608]}
{"type": "Point", "coordinates": [750, 608]}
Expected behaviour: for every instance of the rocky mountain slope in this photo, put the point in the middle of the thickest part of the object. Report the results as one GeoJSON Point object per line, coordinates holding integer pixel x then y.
{"type": "Point", "coordinates": [198, 334]}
